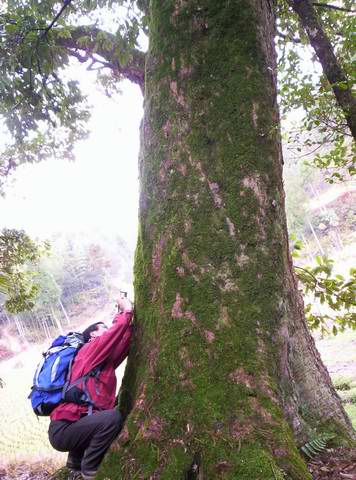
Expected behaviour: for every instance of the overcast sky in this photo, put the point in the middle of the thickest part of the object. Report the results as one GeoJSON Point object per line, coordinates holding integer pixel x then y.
{"type": "Point", "coordinates": [99, 190]}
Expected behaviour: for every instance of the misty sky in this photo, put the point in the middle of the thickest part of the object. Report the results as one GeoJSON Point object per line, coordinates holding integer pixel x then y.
{"type": "Point", "coordinates": [97, 191]}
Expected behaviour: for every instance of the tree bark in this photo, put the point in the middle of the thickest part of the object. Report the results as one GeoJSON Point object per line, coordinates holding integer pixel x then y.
{"type": "Point", "coordinates": [330, 64]}
{"type": "Point", "coordinates": [223, 379]}
{"type": "Point", "coordinates": [91, 41]}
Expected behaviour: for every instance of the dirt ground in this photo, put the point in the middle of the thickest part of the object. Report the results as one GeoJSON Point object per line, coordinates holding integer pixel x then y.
{"type": "Point", "coordinates": [336, 464]}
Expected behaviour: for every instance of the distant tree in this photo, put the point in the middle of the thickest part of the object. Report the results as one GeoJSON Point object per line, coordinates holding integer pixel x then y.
{"type": "Point", "coordinates": [18, 256]}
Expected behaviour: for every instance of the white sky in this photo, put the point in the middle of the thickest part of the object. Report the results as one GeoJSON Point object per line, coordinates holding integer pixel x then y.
{"type": "Point", "coordinates": [99, 190]}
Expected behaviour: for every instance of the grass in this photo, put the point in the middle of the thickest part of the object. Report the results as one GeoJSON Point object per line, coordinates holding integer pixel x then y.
{"type": "Point", "coordinates": [23, 436]}
{"type": "Point", "coordinates": [348, 396]}
{"type": "Point", "coordinates": [339, 355]}
{"type": "Point", "coordinates": [346, 388]}
{"type": "Point", "coordinates": [342, 384]}
{"type": "Point", "coordinates": [351, 411]}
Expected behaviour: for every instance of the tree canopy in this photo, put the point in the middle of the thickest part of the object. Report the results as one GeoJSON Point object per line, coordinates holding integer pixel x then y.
{"type": "Point", "coordinates": [44, 112]}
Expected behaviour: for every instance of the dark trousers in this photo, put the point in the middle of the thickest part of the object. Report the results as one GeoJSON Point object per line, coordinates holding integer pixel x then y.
{"type": "Point", "coordinates": [87, 439]}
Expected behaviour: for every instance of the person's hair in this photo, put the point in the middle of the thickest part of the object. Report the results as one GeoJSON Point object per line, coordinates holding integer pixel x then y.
{"type": "Point", "coordinates": [92, 328]}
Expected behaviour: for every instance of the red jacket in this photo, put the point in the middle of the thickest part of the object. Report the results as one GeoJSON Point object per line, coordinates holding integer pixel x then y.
{"type": "Point", "coordinates": [111, 348]}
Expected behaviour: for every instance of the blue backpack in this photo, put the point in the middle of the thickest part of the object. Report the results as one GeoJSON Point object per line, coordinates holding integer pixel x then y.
{"type": "Point", "coordinates": [51, 380]}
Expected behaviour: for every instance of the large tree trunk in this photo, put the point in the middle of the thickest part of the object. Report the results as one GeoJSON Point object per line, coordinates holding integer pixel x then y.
{"type": "Point", "coordinates": [223, 378]}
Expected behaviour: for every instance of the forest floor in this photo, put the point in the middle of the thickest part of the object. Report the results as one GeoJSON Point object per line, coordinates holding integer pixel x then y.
{"type": "Point", "coordinates": [334, 464]}
{"type": "Point", "coordinates": [27, 436]}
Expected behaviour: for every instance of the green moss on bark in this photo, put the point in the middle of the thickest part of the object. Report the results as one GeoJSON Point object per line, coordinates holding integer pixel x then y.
{"type": "Point", "coordinates": [211, 261]}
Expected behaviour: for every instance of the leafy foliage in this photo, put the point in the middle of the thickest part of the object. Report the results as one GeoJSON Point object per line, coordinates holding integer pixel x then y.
{"type": "Point", "coordinates": [333, 291]}
{"type": "Point", "coordinates": [303, 87]}
{"type": "Point", "coordinates": [17, 254]}
{"type": "Point", "coordinates": [316, 446]}
{"type": "Point", "coordinates": [43, 112]}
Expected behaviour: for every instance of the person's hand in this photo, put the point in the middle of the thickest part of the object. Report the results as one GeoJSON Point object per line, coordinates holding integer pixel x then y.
{"type": "Point", "coordinates": [124, 303]}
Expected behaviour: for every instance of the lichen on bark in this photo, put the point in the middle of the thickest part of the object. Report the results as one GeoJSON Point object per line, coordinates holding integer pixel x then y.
{"type": "Point", "coordinates": [221, 362]}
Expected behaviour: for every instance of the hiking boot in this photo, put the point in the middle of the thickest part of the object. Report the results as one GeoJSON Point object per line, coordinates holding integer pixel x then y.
{"type": "Point", "coordinates": [73, 463]}
{"type": "Point", "coordinates": [75, 475]}
{"type": "Point", "coordinates": [89, 475]}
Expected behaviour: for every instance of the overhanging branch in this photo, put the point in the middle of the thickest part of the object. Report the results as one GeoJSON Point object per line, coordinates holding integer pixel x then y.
{"type": "Point", "coordinates": [89, 40]}
{"type": "Point", "coordinates": [331, 66]}
{"type": "Point", "coordinates": [51, 25]}
{"type": "Point", "coordinates": [333, 7]}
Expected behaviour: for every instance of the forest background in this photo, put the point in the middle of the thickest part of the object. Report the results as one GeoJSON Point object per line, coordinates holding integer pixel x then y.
{"type": "Point", "coordinates": [77, 275]}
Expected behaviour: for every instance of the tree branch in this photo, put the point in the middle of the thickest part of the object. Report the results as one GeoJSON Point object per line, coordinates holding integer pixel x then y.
{"type": "Point", "coordinates": [290, 39]}
{"type": "Point", "coordinates": [64, 6]}
{"type": "Point", "coordinates": [330, 64]}
{"type": "Point", "coordinates": [85, 39]}
{"type": "Point", "coordinates": [333, 7]}
{"type": "Point", "coordinates": [319, 284]}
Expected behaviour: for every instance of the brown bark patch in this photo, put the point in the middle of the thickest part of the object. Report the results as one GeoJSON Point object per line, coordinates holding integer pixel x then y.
{"type": "Point", "coordinates": [280, 452]}
{"type": "Point", "coordinates": [188, 384]}
{"type": "Point", "coordinates": [254, 183]}
{"type": "Point", "coordinates": [214, 188]}
{"type": "Point", "coordinates": [167, 128]}
{"type": "Point", "coordinates": [166, 165]}
{"type": "Point", "coordinates": [176, 95]}
{"type": "Point", "coordinates": [223, 467]}
{"type": "Point", "coordinates": [179, 5]}
{"type": "Point", "coordinates": [152, 359]}
{"type": "Point", "coordinates": [122, 439]}
{"type": "Point", "coordinates": [242, 259]}
{"type": "Point", "coordinates": [157, 256]}
{"type": "Point", "coordinates": [152, 429]}
{"type": "Point", "coordinates": [261, 411]}
{"type": "Point", "coordinates": [180, 271]}
{"type": "Point", "coordinates": [210, 336]}
{"type": "Point", "coordinates": [191, 317]}
{"type": "Point", "coordinates": [240, 376]}
{"type": "Point", "coordinates": [224, 319]}
{"type": "Point", "coordinates": [185, 70]}
{"type": "Point", "coordinates": [267, 390]}
{"type": "Point", "coordinates": [184, 355]}
{"type": "Point", "coordinates": [254, 114]}
{"type": "Point", "coordinates": [187, 225]}
{"type": "Point", "coordinates": [177, 311]}
{"type": "Point", "coordinates": [188, 263]}
{"type": "Point", "coordinates": [225, 276]}
{"type": "Point", "coordinates": [140, 402]}
{"type": "Point", "coordinates": [182, 168]}
{"type": "Point", "coordinates": [231, 227]}
{"type": "Point", "coordinates": [240, 430]}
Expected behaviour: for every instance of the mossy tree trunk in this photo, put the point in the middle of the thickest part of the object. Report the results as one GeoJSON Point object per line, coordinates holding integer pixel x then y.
{"type": "Point", "coordinates": [223, 379]}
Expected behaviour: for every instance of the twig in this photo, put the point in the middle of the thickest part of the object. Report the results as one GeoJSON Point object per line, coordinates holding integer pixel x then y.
{"type": "Point", "coordinates": [333, 7]}
{"type": "Point", "coordinates": [47, 29]}
{"type": "Point", "coordinates": [287, 37]}
{"type": "Point", "coordinates": [323, 287]}
{"type": "Point", "coordinates": [82, 59]}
